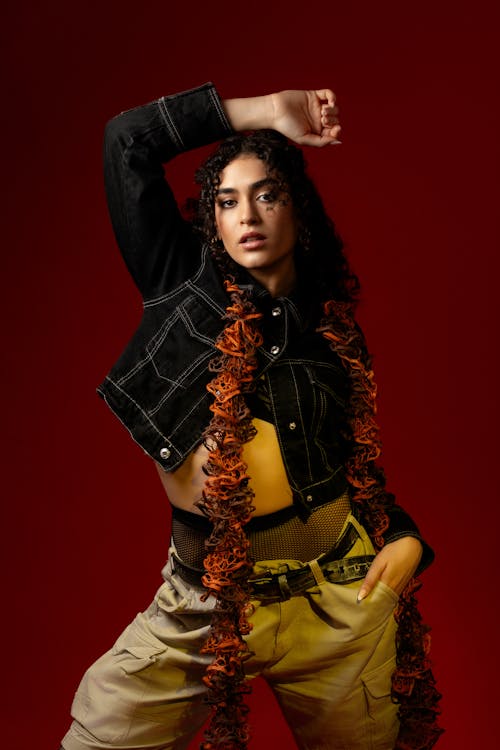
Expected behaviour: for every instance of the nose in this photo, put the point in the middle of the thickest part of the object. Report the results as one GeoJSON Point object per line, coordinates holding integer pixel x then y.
{"type": "Point", "coordinates": [249, 215]}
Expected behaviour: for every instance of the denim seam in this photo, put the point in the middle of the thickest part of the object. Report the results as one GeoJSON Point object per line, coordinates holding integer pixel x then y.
{"type": "Point", "coordinates": [201, 293]}
{"type": "Point", "coordinates": [188, 283]}
{"type": "Point", "coordinates": [157, 340]}
{"type": "Point", "coordinates": [195, 333]}
{"type": "Point", "coordinates": [322, 414]}
{"type": "Point", "coordinates": [149, 358]}
{"type": "Point", "coordinates": [291, 478]}
{"type": "Point", "coordinates": [188, 414]}
{"type": "Point", "coordinates": [219, 109]}
{"type": "Point", "coordinates": [139, 365]}
{"type": "Point", "coordinates": [296, 314]}
{"type": "Point", "coordinates": [166, 297]}
{"type": "Point", "coordinates": [166, 396]}
{"type": "Point", "coordinates": [326, 480]}
{"type": "Point", "coordinates": [178, 383]}
{"type": "Point", "coordinates": [280, 437]}
{"type": "Point", "coordinates": [169, 123]}
{"type": "Point", "coordinates": [146, 417]}
{"type": "Point", "coordinates": [326, 389]}
{"type": "Point", "coordinates": [306, 450]}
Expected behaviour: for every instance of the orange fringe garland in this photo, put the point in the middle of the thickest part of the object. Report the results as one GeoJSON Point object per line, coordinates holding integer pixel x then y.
{"type": "Point", "coordinates": [227, 502]}
{"type": "Point", "coordinates": [413, 684]}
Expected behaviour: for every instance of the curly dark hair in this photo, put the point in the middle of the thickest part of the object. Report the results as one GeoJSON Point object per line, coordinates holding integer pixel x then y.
{"type": "Point", "coordinates": [319, 250]}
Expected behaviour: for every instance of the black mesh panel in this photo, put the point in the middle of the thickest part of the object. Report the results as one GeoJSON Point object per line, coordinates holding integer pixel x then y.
{"type": "Point", "coordinates": [289, 539]}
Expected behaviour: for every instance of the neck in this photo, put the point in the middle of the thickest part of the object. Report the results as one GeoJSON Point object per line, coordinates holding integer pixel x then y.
{"type": "Point", "coordinates": [279, 284]}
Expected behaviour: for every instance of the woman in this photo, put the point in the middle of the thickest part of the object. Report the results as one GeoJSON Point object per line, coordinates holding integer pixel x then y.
{"type": "Point", "coordinates": [249, 384]}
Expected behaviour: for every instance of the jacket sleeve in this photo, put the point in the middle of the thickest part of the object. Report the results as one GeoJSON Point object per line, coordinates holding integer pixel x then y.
{"type": "Point", "coordinates": [401, 524]}
{"type": "Point", "coordinates": [157, 245]}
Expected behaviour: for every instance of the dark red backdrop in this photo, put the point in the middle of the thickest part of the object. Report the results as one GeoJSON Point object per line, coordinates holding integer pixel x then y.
{"type": "Point", "coordinates": [413, 189]}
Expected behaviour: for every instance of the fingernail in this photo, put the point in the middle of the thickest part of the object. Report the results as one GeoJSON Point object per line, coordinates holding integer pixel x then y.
{"type": "Point", "coordinates": [335, 143]}
{"type": "Point", "coordinates": [361, 595]}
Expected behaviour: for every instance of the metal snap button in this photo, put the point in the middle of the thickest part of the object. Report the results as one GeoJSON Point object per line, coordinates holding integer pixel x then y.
{"type": "Point", "coordinates": [309, 498]}
{"type": "Point", "coordinates": [292, 425]}
{"type": "Point", "coordinates": [275, 349]}
{"type": "Point", "coordinates": [165, 453]}
{"type": "Point", "coordinates": [276, 311]}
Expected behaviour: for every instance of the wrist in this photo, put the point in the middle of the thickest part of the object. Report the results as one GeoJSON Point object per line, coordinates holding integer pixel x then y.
{"type": "Point", "coordinates": [250, 113]}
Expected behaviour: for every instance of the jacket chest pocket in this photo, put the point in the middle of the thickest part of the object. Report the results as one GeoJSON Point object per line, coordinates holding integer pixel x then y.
{"type": "Point", "coordinates": [183, 345]}
{"type": "Point", "coordinates": [329, 401]}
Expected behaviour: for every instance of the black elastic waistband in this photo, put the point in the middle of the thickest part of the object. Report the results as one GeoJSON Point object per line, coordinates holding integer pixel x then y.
{"type": "Point", "coordinates": [257, 523]}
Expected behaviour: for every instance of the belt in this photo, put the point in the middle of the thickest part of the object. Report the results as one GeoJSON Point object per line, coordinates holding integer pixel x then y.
{"type": "Point", "coordinates": [273, 587]}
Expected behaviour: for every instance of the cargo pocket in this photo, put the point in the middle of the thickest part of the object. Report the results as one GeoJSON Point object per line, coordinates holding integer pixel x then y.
{"type": "Point", "coordinates": [133, 651]}
{"type": "Point", "coordinates": [112, 688]}
{"type": "Point", "coordinates": [136, 658]}
{"type": "Point", "coordinates": [380, 708]}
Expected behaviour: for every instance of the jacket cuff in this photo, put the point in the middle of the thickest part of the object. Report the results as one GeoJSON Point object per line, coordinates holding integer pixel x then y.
{"type": "Point", "coordinates": [401, 525]}
{"type": "Point", "coordinates": [195, 117]}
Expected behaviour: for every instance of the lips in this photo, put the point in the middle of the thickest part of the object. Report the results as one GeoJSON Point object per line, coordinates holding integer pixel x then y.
{"type": "Point", "coordinates": [252, 241]}
{"type": "Point", "coordinates": [251, 237]}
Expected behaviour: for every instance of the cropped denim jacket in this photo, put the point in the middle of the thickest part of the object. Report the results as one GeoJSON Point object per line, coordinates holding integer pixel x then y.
{"type": "Point", "coordinates": [157, 388]}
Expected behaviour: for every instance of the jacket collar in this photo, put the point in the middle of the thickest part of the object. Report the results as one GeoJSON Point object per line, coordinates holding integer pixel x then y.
{"type": "Point", "coordinates": [302, 303]}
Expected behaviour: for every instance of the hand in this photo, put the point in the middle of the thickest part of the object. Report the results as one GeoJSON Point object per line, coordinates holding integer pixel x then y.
{"type": "Point", "coordinates": [394, 565]}
{"type": "Point", "coordinates": [307, 117]}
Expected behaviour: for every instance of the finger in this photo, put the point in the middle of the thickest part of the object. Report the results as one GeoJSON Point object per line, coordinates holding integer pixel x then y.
{"type": "Point", "coordinates": [312, 139]}
{"type": "Point", "coordinates": [371, 578]}
{"type": "Point", "coordinates": [329, 120]}
{"type": "Point", "coordinates": [331, 132]}
{"type": "Point", "coordinates": [328, 111]}
{"type": "Point", "coordinates": [326, 95]}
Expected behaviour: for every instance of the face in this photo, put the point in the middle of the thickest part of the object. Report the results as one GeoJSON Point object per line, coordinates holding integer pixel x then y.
{"type": "Point", "coordinates": [257, 223]}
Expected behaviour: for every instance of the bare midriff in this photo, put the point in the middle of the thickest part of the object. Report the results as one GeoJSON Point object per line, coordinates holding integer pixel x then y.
{"type": "Point", "coordinates": [266, 470]}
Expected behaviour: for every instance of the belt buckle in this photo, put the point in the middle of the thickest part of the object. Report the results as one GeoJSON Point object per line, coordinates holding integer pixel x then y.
{"type": "Point", "coordinates": [260, 586]}
{"type": "Point", "coordinates": [259, 579]}
{"type": "Point", "coordinates": [279, 580]}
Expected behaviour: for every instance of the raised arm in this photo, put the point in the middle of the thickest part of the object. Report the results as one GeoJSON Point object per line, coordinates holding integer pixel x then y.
{"type": "Point", "coordinates": [157, 245]}
{"type": "Point", "coordinates": [310, 118]}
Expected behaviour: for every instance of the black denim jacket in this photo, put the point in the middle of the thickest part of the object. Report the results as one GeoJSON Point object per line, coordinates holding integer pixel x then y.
{"type": "Point", "coordinates": [157, 388]}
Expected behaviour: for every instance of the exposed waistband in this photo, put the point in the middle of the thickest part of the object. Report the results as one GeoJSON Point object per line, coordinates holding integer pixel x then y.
{"type": "Point", "coordinates": [257, 523]}
{"type": "Point", "coordinates": [334, 565]}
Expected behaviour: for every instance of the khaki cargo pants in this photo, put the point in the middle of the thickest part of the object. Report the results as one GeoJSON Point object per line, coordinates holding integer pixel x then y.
{"type": "Point", "coordinates": [327, 659]}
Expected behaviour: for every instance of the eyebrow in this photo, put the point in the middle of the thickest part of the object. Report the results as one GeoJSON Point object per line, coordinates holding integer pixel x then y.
{"type": "Point", "coordinates": [253, 186]}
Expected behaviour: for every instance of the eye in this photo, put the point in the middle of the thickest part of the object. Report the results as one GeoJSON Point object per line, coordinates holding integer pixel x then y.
{"type": "Point", "coordinates": [226, 203]}
{"type": "Point", "coordinates": [267, 197]}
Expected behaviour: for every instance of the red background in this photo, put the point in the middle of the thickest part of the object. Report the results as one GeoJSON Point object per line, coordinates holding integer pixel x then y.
{"type": "Point", "coordinates": [413, 190]}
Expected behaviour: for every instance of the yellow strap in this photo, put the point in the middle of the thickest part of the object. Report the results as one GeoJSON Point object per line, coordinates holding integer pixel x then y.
{"type": "Point", "coordinates": [317, 572]}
